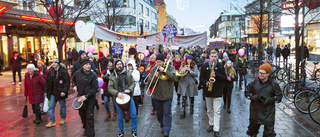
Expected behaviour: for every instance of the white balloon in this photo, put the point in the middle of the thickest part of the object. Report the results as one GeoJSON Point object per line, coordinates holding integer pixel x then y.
{"type": "Point", "coordinates": [84, 31]}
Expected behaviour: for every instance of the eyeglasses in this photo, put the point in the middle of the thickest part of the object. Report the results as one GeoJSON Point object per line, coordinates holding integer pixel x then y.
{"type": "Point", "coordinates": [260, 73]}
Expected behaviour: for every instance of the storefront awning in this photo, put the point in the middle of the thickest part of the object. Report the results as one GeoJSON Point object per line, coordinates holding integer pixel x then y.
{"type": "Point", "coordinates": [313, 26]}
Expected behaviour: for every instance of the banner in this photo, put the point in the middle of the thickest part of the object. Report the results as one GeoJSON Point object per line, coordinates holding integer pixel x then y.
{"type": "Point", "coordinates": [157, 38]}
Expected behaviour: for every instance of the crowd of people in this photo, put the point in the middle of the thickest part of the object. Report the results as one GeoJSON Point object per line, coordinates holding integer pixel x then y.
{"type": "Point", "coordinates": [182, 72]}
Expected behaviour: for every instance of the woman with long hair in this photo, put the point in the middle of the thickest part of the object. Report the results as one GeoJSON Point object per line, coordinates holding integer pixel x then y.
{"type": "Point", "coordinates": [227, 92]}
{"type": "Point", "coordinates": [188, 84]}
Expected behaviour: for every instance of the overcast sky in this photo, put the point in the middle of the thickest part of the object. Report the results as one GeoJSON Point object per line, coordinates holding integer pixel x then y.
{"type": "Point", "coordinates": [196, 14]}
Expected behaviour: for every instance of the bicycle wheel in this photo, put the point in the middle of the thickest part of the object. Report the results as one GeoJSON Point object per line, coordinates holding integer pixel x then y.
{"type": "Point", "coordinates": [302, 100]}
{"type": "Point", "coordinates": [317, 73]}
{"type": "Point", "coordinates": [314, 111]}
{"type": "Point", "coordinates": [289, 90]}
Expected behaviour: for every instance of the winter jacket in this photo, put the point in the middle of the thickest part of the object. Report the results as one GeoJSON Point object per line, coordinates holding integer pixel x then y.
{"type": "Point", "coordinates": [16, 63]}
{"type": "Point", "coordinates": [69, 54]}
{"type": "Point", "coordinates": [103, 61]}
{"type": "Point", "coordinates": [221, 78]}
{"type": "Point", "coordinates": [86, 83]}
{"type": "Point", "coordinates": [77, 66]}
{"type": "Point", "coordinates": [63, 82]}
{"type": "Point", "coordinates": [242, 67]}
{"type": "Point", "coordinates": [285, 52]}
{"type": "Point", "coordinates": [113, 84]}
{"type": "Point", "coordinates": [278, 52]}
{"type": "Point", "coordinates": [263, 95]}
{"type": "Point", "coordinates": [164, 88]}
{"type": "Point", "coordinates": [74, 54]}
{"type": "Point", "coordinates": [136, 78]}
{"type": "Point", "coordinates": [188, 83]}
{"type": "Point", "coordinates": [34, 87]}
{"type": "Point", "coordinates": [106, 76]}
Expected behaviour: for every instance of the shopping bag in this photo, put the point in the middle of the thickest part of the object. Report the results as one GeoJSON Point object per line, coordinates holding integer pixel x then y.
{"type": "Point", "coordinates": [45, 105]}
{"type": "Point", "coordinates": [25, 110]}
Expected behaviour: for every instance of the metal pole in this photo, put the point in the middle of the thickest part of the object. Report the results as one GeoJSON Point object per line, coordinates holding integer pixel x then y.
{"type": "Point", "coordinates": [302, 37]}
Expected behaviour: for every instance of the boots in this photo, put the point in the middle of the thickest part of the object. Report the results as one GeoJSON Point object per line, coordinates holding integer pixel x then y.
{"type": "Point", "coordinates": [38, 119]}
{"type": "Point", "coordinates": [114, 117]}
{"type": "Point", "coordinates": [107, 117]}
{"type": "Point", "coordinates": [183, 114]}
{"type": "Point", "coordinates": [191, 105]}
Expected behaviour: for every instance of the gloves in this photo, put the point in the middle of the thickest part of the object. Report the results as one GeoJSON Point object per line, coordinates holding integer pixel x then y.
{"type": "Point", "coordinates": [228, 78]}
{"type": "Point", "coordinates": [255, 97]}
{"type": "Point", "coordinates": [268, 100]}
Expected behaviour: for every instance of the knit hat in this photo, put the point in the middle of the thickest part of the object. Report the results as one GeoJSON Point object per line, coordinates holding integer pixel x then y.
{"type": "Point", "coordinates": [189, 56]}
{"type": "Point", "coordinates": [142, 68]}
{"type": "Point", "coordinates": [85, 61]}
{"type": "Point", "coordinates": [266, 67]}
{"type": "Point", "coordinates": [56, 60]}
{"type": "Point", "coordinates": [161, 57]}
{"type": "Point", "coordinates": [225, 54]}
{"type": "Point", "coordinates": [81, 52]}
{"type": "Point", "coordinates": [192, 50]}
{"type": "Point", "coordinates": [41, 61]}
{"type": "Point", "coordinates": [100, 54]}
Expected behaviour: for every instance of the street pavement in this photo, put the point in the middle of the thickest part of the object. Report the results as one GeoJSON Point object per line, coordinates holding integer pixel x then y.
{"type": "Point", "coordinates": [289, 122]}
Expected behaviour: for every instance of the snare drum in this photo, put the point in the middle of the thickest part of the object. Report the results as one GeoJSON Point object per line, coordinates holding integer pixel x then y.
{"type": "Point", "coordinates": [124, 103]}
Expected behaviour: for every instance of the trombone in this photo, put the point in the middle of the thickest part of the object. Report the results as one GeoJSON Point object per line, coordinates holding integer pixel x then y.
{"type": "Point", "coordinates": [161, 75]}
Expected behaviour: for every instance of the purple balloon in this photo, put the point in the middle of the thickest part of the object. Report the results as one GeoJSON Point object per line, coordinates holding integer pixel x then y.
{"type": "Point", "coordinates": [100, 82]}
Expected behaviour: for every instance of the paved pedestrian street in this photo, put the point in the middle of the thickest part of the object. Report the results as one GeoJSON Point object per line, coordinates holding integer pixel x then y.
{"type": "Point", "coordinates": [289, 123]}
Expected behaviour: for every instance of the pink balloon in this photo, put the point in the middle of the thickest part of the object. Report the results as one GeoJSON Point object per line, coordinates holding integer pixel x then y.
{"type": "Point", "coordinates": [100, 82]}
{"type": "Point", "coordinates": [146, 53]}
{"type": "Point", "coordinates": [91, 49]}
{"type": "Point", "coordinates": [241, 52]}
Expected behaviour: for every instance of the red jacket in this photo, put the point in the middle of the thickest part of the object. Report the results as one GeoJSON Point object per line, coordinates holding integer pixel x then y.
{"type": "Point", "coordinates": [34, 88]}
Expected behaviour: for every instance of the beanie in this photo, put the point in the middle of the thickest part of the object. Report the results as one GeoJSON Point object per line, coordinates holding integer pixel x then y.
{"type": "Point", "coordinates": [100, 54]}
{"type": "Point", "coordinates": [85, 61]}
{"type": "Point", "coordinates": [142, 68]}
{"type": "Point", "coordinates": [41, 61]}
{"type": "Point", "coordinates": [81, 52]}
{"type": "Point", "coordinates": [266, 67]}
{"type": "Point", "coordinates": [161, 57]}
{"type": "Point", "coordinates": [225, 54]}
{"type": "Point", "coordinates": [189, 56]}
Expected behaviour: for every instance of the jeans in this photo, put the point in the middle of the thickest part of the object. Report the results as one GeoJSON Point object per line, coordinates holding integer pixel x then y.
{"type": "Point", "coordinates": [52, 105]}
{"type": "Point", "coordinates": [36, 109]}
{"type": "Point", "coordinates": [164, 115]}
{"type": "Point", "coordinates": [213, 112]}
{"type": "Point", "coordinates": [106, 104]}
{"type": "Point", "coordinates": [243, 77]}
{"type": "Point", "coordinates": [133, 115]}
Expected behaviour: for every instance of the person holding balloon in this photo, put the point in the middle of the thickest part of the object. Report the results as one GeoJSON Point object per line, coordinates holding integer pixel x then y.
{"type": "Point", "coordinates": [242, 68]}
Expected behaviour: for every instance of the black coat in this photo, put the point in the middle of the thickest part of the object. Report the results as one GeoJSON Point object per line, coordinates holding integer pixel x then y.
{"type": "Point", "coordinates": [77, 66]}
{"type": "Point", "coordinates": [242, 67]}
{"type": "Point", "coordinates": [262, 110]}
{"type": "Point", "coordinates": [278, 52]}
{"type": "Point", "coordinates": [285, 52]}
{"type": "Point", "coordinates": [221, 78]}
{"type": "Point", "coordinates": [106, 79]}
{"type": "Point", "coordinates": [16, 63]}
{"type": "Point", "coordinates": [74, 54]}
{"type": "Point", "coordinates": [63, 83]}
{"type": "Point", "coordinates": [87, 84]}
{"type": "Point", "coordinates": [103, 63]}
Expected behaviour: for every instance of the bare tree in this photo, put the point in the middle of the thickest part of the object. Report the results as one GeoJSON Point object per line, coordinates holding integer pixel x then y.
{"type": "Point", "coordinates": [63, 18]}
{"type": "Point", "coordinates": [113, 14]}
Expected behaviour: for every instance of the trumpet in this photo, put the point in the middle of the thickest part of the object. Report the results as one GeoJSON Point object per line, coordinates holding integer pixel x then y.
{"type": "Point", "coordinates": [180, 73]}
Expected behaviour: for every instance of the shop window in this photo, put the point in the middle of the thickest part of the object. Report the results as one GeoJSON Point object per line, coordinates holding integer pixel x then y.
{"type": "Point", "coordinates": [5, 51]}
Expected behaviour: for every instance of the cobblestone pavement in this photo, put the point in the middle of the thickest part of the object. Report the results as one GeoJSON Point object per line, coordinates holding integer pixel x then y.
{"type": "Point", "coordinates": [289, 122]}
